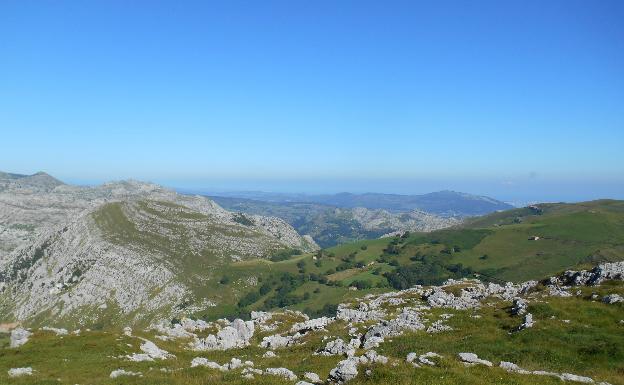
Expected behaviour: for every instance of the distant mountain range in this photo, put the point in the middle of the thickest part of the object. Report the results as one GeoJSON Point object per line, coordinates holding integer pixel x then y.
{"type": "Point", "coordinates": [441, 203]}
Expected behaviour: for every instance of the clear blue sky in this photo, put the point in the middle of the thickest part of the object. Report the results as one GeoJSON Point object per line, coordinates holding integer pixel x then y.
{"type": "Point", "coordinates": [515, 99]}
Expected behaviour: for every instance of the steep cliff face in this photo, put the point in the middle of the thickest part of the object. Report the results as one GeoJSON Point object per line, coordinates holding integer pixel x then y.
{"type": "Point", "coordinates": [128, 250]}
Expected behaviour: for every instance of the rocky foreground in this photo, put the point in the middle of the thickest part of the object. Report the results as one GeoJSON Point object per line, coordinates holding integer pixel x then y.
{"type": "Point", "coordinates": [367, 338]}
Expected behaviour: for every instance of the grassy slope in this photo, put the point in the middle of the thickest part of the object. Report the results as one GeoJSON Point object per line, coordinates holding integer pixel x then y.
{"type": "Point", "coordinates": [591, 344]}
{"type": "Point", "coordinates": [571, 234]}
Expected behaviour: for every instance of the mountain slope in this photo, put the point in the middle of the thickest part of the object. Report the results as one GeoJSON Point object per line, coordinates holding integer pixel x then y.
{"type": "Point", "coordinates": [127, 251]}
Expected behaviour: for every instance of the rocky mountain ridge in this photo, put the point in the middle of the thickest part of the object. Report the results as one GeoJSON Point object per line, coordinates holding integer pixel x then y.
{"type": "Point", "coordinates": [84, 252]}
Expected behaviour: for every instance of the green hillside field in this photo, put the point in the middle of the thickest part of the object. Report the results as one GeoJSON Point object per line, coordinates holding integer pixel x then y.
{"type": "Point", "coordinates": [496, 247]}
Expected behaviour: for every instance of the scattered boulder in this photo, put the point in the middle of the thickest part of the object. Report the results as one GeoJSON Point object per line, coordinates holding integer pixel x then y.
{"type": "Point", "coordinates": [121, 372]}
{"type": "Point", "coordinates": [346, 370]}
{"type": "Point", "coordinates": [574, 377]}
{"type": "Point", "coordinates": [339, 347]}
{"type": "Point", "coordinates": [612, 298]}
{"type": "Point", "coordinates": [438, 326]}
{"type": "Point", "coordinates": [201, 361]}
{"type": "Point", "coordinates": [312, 377]}
{"type": "Point", "coordinates": [309, 325]}
{"type": "Point", "coordinates": [18, 372]}
{"type": "Point", "coordinates": [234, 363]}
{"type": "Point", "coordinates": [57, 331]}
{"type": "Point", "coordinates": [409, 319]}
{"type": "Point", "coordinates": [512, 368]}
{"type": "Point", "coordinates": [362, 314]}
{"type": "Point", "coordinates": [281, 372]}
{"type": "Point", "coordinates": [371, 356]}
{"type": "Point", "coordinates": [269, 354]}
{"type": "Point", "coordinates": [424, 359]}
{"type": "Point", "coordinates": [235, 335]}
{"type": "Point", "coordinates": [473, 359]}
{"type": "Point", "coordinates": [519, 306]}
{"type": "Point", "coordinates": [613, 271]}
{"type": "Point", "coordinates": [150, 353]}
{"type": "Point", "coordinates": [278, 341]}
{"type": "Point", "coordinates": [528, 322]}
{"type": "Point", "coordinates": [19, 337]}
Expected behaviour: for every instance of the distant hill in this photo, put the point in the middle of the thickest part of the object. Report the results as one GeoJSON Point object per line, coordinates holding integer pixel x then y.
{"type": "Point", "coordinates": [40, 181]}
{"type": "Point", "coordinates": [330, 225]}
{"type": "Point", "coordinates": [442, 203]}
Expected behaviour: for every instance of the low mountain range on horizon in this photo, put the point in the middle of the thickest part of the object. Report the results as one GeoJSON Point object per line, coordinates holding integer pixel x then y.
{"type": "Point", "coordinates": [442, 203]}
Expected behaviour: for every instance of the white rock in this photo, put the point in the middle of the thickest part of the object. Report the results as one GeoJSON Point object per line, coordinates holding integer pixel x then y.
{"type": "Point", "coordinates": [309, 325]}
{"type": "Point", "coordinates": [201, 361]}
{"type": "Point", "coordinates": [472, 359]}
{"type": "Point", "coordinates": [121, 372]}
{"type": "Point", "coordinates": [346, 370]}
{"type": "Point", "coordinates": [312, 377]}
{"type": "Point", "coordinates": [281, 372]}
{"type": "Point", "coordinates": [57, 331]}
{"type": "Point", "coordinates": [613, 298]}
{"type": "Point", "coordinates": [574, 377]}
{"type": "Point", "coordinates": [19, 337]}
{"type": "Point", "coordinates": [17, 372]}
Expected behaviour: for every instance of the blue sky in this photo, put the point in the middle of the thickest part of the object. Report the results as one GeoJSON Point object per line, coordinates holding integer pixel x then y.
{"type": "Point", "coordinates": [520, 99]}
